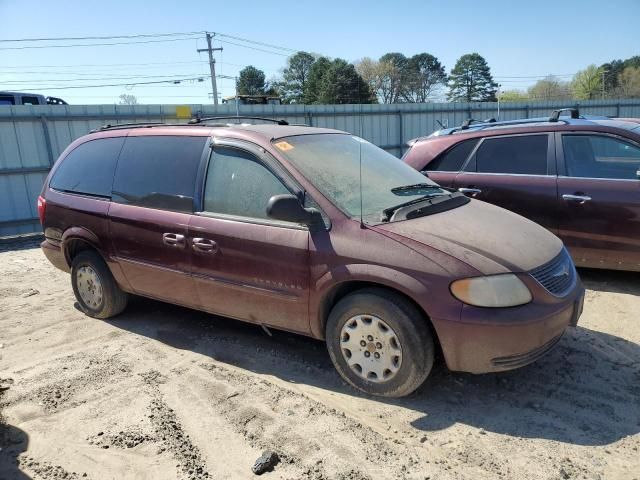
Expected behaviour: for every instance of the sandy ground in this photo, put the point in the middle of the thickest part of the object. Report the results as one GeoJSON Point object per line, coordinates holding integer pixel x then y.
{"type": "Point", "coordinates": [163, 392]}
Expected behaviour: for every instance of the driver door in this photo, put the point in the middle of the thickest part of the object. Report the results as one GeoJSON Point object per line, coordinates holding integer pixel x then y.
{"type": "Point", "coordinates": [246, 265]}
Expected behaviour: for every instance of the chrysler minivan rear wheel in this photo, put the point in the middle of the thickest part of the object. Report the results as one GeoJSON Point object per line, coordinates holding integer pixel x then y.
{"type": "Point", "coordinates": [95, 288]}
{"type": "Point", "coordinates": [379, 342]}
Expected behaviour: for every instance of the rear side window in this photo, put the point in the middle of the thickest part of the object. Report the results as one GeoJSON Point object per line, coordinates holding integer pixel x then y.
{"type": "Point", "coordinates": [238, 184]}
{"type": "Point", "coordinates": [7, 100]}
{"type": "Point", "coordinates": [158, 172]}
{"type": "Point", "coordinates": [526, 155]}
{"type": "Point", "coordinates": [88, 169]}
{"type": "Point", "coordinates": [453, 159]}
{"type": "Point", "coordinates": [597, 156]}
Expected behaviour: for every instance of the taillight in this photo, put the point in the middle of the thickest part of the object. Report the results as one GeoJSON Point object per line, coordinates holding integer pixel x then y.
{"type": "Point", "coordinates": [42, 207]}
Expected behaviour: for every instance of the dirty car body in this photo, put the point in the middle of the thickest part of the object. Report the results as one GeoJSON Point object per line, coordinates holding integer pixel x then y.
{"type": "Point", "coordinates": [270, 224]}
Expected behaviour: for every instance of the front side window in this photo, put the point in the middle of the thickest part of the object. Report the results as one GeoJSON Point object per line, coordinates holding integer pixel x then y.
{"type": "Point", "coordinates": [351, 173]}
{"type": "Point", "coordinates": [238, 184]}
{"type": "Point", "coordinates": [158, 172]}
{"type": "Point", "coordinates": [7, 100]}
{"type": "Point", "coordinates": [598, 156]}
{"type": "Point", "coordinates": [88, 169]}
{"type": "Point", "coordinates": [524, 155]}
{"type": "Point", "coordinates": [453, 159]}
{"type": "Point", "coordinates": [30, 101]}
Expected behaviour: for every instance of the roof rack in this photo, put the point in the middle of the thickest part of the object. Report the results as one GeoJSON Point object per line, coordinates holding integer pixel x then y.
{"type": "Point", "coordinates": [198, 120]}
{"type": "Point", "coordinates": [555, 115]}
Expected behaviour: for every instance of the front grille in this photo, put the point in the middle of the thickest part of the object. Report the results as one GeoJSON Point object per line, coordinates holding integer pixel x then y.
{"type": "Point", "coordinates": [557, 276]}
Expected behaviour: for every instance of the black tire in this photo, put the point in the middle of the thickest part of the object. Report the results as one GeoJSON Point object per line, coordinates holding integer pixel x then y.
{"type": "Point", "coordinates": [410, 327]}
{"type": "Point", "coordinates": [113, 300]}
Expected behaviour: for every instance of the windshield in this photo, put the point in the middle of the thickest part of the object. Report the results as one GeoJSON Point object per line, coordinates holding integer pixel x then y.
{"type": "Point", "coordinates": [332, 163]}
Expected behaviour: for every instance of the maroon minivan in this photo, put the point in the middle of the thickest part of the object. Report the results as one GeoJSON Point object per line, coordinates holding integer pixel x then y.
{"type": "Point", "coordinates": [578, 177]}
{"type": "Point", "coordinates": [310, 230]}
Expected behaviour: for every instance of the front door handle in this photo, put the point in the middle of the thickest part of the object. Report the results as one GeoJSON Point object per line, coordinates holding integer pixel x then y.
{"type": "Point", "coordinates": [576, 198]}
{"type": "Point", "coordinates": [204, 245]}
{"type": "Point", "coordinates": [173, 239]}
{"type": "Point", "coordinates": [471, 191]}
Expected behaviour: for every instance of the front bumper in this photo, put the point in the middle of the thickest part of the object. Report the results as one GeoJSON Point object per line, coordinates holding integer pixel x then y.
{"type": "Point", "coordinates": [497, 339]}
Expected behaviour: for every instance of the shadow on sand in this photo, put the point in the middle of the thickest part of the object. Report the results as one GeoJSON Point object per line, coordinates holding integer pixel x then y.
{"type": "Point", "coordinates": [583, 392]}
{"type": "Point", "coordinates": [13, 442]}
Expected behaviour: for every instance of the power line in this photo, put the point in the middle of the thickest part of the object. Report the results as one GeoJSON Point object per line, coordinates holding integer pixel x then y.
{"type": "Point", "coordinates": [103, 78]}
{"type": "Point", "coordinates": [97, 44]}
{"type": "Point", "coordinates": [254, 48]}
{"type": "Point", "coordinates": [102, 65]}
{"type": "Point", "coordinates": [246, 40]}
{"type": "Point", "coordinates": [176, 80]}
{"type": "Point", "coordinates": [105, 37]}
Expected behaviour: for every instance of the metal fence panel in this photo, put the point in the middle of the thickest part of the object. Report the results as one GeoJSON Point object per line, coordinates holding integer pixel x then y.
{"type": "Point", "coordinates": [32, 137]}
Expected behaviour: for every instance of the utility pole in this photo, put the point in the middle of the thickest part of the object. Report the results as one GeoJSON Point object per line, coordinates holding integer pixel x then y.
{"type": "Point", "coordinates": [603, 73]}
{"type": "Point", "coordinates": [212, 66]}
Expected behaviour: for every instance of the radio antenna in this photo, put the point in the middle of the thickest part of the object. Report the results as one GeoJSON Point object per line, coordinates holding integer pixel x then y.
{"type": "Point", "coordinates": [360, 160]}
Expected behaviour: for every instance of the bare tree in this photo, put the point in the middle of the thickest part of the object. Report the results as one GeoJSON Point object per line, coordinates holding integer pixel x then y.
{"type": "Point", "coordinates": [126, 99]}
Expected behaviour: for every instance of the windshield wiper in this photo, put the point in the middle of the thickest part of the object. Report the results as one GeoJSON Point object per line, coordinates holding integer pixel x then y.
{"type": "Point", "coordinates": [416, 186]}
{"type": "Point", "coordinates": [387, 213]}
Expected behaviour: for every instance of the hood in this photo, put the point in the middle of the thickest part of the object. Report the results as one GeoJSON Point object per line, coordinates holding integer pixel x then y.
{"type": "Point", "coordinates": [488, 238]}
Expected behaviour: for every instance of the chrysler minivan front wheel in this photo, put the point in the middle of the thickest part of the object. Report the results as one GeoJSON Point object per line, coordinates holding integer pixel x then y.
{"type": "Point", "coordinates": [95, 288]}
{"type": "Point", "coordinates": [379, 342]}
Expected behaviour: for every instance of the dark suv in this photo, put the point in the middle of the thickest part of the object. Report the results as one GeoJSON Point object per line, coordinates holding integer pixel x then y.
{"type": "Point", "coordinates": [310, 230]}
{"type": "Point", "coordinates": [578, 177]}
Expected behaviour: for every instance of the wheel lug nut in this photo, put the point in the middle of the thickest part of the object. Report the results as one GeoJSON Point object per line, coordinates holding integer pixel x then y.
{"type": "Point", "coordinates": [363, 343]}
{"type": "Point", "coordinates": [370, 338]}
{"type": "Point", "coordinates": [378, 345]}
{"type": "Point", "coordinates": [376, 354]}
{"type": "Point", "coordinates": [367, 354]}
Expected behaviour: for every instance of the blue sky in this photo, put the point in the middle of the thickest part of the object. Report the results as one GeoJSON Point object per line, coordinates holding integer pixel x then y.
{"type": "Point", "coordinates": [519, 39]}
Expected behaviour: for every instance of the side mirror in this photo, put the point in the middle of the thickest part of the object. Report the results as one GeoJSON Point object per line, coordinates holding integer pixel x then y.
{"type": "Point", "coordinates": [289, 209]}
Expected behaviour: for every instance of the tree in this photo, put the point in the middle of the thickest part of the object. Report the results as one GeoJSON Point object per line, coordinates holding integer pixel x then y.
{"type": "Point", "coordinates": [393, 70]}
{"type": "Point", "coordinates": [251, 81]}
{"type": "Point", "coordinates": [126, 99]}
{"type": "Point", "coordinates": [587, 83]}
{"type": "Point", "coordinates": [295, 77]}
{"type": "Point", "coordinates": [614, 68]}
{"type": "Point", "coordinates": [549, 88]}
{"type": "Point", "coordinates": [370, 71]}
{"type": "Point", "coordinates": [423, 75]}
{"type": "Point", "coordinates": [341, 84]}
{"type": "Point", "coordinates": [629, 82]}
{"type": "Point", "coordinates": [314, 81]}
{"type": "Point", "coordinates": [471, 80]}
{"type": "Point", "coordinates": [514, 96]}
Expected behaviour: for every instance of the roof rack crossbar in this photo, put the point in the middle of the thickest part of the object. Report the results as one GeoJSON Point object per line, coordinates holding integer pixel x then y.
{"type": "Point", "coordinates": [555, 115]}
{"type": "Point", "coordinates": [195, 121]}
{"type": "Point", "coordinates": [468, 122]}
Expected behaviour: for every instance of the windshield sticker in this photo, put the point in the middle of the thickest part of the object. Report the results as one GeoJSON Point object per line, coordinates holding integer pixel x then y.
{"type": "Point", "coordinates": [284, 146]}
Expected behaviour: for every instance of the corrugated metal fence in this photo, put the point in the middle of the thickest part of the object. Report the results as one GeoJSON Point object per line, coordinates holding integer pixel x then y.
{"type": "Point", "coordinates": [32, 137]}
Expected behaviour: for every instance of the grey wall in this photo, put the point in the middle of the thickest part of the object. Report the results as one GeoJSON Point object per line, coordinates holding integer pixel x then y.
{"type": "Point", "coordinates": [32, 137]}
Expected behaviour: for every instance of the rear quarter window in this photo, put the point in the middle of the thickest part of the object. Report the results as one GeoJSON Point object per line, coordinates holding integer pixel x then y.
{"type": "Point", "coordinates": [158, 172]}
{"type": "Point", "coordinates": [453, 159]}
{"type": "Point", "coordinates": [88, 169]}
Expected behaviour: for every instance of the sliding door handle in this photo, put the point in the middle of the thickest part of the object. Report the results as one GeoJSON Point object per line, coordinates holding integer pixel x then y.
{"type": "Point", "coordinates": [173, 239]}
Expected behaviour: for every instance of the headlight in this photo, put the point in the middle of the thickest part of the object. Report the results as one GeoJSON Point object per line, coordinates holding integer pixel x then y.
{"type": "Point", "coordinates": [505, 290]}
